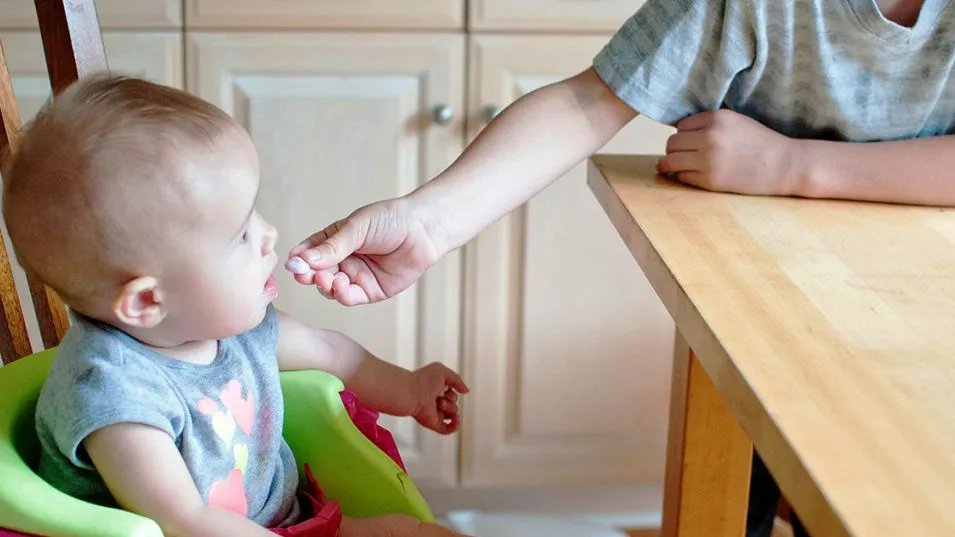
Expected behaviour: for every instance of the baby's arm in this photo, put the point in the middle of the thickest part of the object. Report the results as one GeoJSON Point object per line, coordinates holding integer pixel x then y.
{"type": "Point", "coordinates": [378, 384]}
{"type": "Point", "coordinates": [919, 171]}
{"type": "Point", "coordinates": [146, 475]}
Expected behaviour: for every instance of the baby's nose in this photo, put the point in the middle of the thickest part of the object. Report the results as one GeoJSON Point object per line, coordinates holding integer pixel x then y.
{"type": "Point", "coordinates": [270, 238]}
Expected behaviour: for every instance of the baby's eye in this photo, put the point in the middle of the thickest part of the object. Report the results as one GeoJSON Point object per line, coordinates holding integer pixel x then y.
{"type": "Point", "coordinates": [245, 237]}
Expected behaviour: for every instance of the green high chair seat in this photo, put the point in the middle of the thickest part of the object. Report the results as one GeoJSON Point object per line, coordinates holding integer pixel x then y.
{"type": "Point", "coordinates": [348, 466]}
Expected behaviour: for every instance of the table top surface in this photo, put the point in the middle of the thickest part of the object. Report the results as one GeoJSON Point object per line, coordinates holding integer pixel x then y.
{"type": "Point", "coordinates": [828, 327]}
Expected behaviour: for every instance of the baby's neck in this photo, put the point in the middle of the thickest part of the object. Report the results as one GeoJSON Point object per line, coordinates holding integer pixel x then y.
{"type": "Point", "coordinates": [201, 352]}
{"type": "Point", "coordinates": [194, 352]}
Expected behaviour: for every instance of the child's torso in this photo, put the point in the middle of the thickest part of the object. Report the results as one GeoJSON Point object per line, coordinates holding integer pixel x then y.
{"type": "Point", "coordinates": [839, 69]}
{"type": "Point", "coordinates": [826, 69]}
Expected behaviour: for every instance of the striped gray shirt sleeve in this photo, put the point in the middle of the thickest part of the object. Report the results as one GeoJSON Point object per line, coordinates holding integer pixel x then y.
{"type": "Point", "coordinates": [674, 58]}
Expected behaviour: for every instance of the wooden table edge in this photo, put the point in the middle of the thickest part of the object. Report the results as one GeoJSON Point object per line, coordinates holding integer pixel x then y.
{"type": "Point", "coordinates": [800, 489]}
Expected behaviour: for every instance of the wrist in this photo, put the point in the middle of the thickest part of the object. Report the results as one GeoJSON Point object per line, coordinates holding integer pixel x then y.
{"type": "Point", "coordinates": [804, 177]}
{"type": "Point", "coordinates": [433, 213]}
{"type": "Point", "coordinates": [413, 389]}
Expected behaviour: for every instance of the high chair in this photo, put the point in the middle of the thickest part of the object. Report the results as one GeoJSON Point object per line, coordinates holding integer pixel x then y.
{"type": "Point", "coordinates": [320, 424]}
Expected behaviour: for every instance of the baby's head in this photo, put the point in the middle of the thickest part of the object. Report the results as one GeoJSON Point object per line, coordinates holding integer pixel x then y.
{"type": "Point", "coordinates": [134, 202]}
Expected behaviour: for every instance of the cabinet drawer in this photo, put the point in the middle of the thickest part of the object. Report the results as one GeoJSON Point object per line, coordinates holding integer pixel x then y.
{"type": "Point", "coordinates": [404, 14]}
{"type": "Point", "coordinates": [112, 13]}
{"type": "Point", "coordinates": [582, 15]}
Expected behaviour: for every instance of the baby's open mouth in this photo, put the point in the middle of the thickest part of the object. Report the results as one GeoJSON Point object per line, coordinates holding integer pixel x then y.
{"type": "Point", "coordinates": [270, 289]}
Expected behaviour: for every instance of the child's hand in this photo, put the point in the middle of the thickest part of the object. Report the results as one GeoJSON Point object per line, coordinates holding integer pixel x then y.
{"type": "Point", "coordinates": [726, 151]}
{"type": "Point", "coordinates": [436, 391]}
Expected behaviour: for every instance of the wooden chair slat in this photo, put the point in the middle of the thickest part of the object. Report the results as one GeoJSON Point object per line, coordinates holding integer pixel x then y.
{"type": "Point", "coordinates": [14, 338]}
{"type": "Point", "coordinates": [72, 41]}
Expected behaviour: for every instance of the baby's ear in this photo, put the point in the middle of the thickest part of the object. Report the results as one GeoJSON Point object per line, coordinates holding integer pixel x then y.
{"type": "Point", "coordinates": [140, 303]}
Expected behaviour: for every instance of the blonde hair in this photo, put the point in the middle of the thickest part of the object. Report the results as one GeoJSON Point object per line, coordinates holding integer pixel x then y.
{"type": "Point", "coordinates": [104, 141]}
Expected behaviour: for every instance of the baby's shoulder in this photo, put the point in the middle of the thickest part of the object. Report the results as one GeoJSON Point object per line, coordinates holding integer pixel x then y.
{"type": "Point", "coordinates": [95, 363]}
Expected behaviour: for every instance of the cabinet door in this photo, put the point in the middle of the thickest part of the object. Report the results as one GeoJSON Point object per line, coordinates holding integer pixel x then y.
{"type": "Point", "coordinates": [341, 120]}
{"type": "Point", "coordinates": [156, 56]}
{"type": "Point", "coordinates": [551, 14]}
{"type": "Point", "coordinates": [394, 14]}
{"type": "Point", "coordinates": [566, 344]}
{"type": "Point", "coordinates": [111, 13]}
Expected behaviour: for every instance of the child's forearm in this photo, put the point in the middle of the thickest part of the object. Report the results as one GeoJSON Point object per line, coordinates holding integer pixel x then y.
{"type": "Point", "coordinates": [529, 145]}
{"type": "Point", "coordinates": [919, 171]}
{"type": "Point", "coordinates": [378, 384]}
{"type": "Point", "coordinates": [215, 522]}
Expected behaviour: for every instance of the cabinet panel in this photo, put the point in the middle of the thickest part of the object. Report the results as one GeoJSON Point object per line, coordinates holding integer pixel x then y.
{"type": "Point", "coordinates": [341, 120]}
{"type": "Point", "coordinates": [566, 344]}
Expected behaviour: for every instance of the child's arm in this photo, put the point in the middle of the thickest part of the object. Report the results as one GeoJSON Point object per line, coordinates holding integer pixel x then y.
{"type": "Point", "coordinates": [427, 394]}
{"type": "Point", "coordinates": [529, 145]}
{"type": "Point", "coordinates": [919, 171]}
{"type": "Point", "coordinates": [144, 471]}
{"type": "Point", "coordinates": [728, 152]}
{"type": "Point", "coordinates": [534, 141]}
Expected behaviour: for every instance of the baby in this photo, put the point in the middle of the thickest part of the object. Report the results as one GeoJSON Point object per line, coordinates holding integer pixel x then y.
{"type": "Point", "coordinates": [135, 203]}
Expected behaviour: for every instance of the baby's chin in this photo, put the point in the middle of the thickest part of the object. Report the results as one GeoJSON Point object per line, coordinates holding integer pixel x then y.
{"type": "Point", "coordinates": [235, 325]}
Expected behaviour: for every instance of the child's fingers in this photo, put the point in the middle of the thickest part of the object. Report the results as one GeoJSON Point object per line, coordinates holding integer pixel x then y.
{"type": "Point", "coordinates": [686, 141]}
{"type": "Point", "coordinates": [456, 382]}
{"type": "Point", "coordinates": [696, 179]}
{"type": "Point", "coordinates": [450, 395]}
{"type": "Point", "coordinates": [448, 425]}
{"type": "Point", "coordinates": [684, 161]}
{"type": "Point", "coordinates": [455, 423]}
{"type": "Point", "coordinates": [444, 426]}
{"type": "Point", "coordinates": [697, 121]}
{"type": "Point", "coordinates": [446, 407]}
{"type": "Point", "coordinates": [346, 292]}
{"type": "Point", "coordinates": [323, 281]}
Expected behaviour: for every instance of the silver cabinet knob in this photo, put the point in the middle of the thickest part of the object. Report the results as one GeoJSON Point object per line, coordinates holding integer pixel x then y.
{"type": "Point", "coordinates": [490, 112]}
{"type": "Point", "coordinates": [442, 114]}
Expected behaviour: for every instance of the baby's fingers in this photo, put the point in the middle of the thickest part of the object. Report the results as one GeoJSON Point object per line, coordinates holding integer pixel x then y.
{"type": "Point", "coordinates": [447, 408]}
{"type": "Point", "coordinates": [455, 381]}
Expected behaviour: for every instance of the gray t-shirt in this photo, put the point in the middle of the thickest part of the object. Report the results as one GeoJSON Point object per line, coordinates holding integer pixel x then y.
{"type": "Point", "coordinates": [824, 69]}
{"type": "Point", "coordinates": [225, 417]}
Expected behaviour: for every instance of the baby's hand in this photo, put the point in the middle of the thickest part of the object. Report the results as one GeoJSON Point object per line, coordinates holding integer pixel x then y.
{"type": "Point", "coordinates": [436, 391]}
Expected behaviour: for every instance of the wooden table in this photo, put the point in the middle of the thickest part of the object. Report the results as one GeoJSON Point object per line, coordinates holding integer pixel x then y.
{"type": "Point", "coordinates": [822, 333]}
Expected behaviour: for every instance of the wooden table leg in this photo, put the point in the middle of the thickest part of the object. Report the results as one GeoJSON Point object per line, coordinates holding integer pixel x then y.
{"type": "Point", "coordinates": [708, 457]}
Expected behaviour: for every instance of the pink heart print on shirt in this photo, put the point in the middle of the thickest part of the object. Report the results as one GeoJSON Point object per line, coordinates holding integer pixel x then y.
{"type": "Point", "coordinates": [239, 412]}
{"type": "Point", "coordinates": [242, 409]}
{"type": "Point", "coordinates": [229, 494]}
